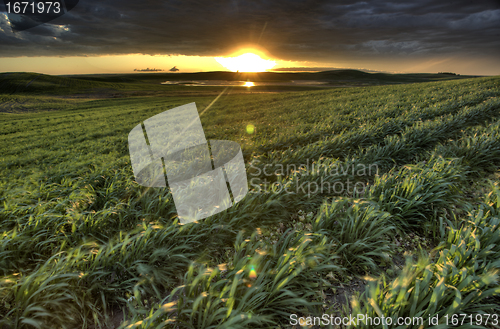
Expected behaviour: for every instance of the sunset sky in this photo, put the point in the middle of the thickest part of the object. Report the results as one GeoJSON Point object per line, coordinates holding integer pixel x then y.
{"type": "Point", "coordinates": [120, 36]}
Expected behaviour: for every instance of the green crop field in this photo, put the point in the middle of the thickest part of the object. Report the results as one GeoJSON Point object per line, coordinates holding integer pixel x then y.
{"type": "Point", "coordinates": [378, 201]}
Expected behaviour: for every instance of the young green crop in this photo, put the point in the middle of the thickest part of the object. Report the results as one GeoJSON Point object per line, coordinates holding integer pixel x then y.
{"type": "Point", "coordinates": [79, 237]}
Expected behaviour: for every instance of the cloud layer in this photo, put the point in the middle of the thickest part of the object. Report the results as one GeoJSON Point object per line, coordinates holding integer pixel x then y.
{"type": "Point", "coordinates": [289, 30]}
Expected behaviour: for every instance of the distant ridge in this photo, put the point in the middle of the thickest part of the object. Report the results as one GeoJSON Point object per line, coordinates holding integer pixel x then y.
{"type": "Point", "coordinates": [21, 82]}
{"type": "Point", "coordinates": [333, 75]}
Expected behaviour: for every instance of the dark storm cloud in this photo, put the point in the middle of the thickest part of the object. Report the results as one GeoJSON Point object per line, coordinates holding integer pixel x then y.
{"type": "Point", "coordinates": [293, 30]}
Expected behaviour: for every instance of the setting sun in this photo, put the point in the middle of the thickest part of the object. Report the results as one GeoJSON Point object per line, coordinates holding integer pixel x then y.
{"type": "Point", "coordinates": [248, 62]}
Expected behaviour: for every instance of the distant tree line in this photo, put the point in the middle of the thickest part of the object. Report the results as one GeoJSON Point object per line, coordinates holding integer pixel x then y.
{"type": "Point", "coordinates": [148, 70]}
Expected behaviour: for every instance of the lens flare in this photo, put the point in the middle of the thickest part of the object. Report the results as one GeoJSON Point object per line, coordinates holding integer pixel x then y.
{"type": "Point", "coordinates": [250, 129]}
{"type": "Point", "coordinates": [253, 273]}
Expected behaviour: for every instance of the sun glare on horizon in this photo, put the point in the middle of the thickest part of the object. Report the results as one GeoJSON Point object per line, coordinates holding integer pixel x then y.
{"type": "Point", "coordinates": [248, 62]}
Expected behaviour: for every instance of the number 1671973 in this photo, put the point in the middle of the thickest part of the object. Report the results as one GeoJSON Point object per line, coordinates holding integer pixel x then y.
{"type": "Point", "coordinates": [33, 7]}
